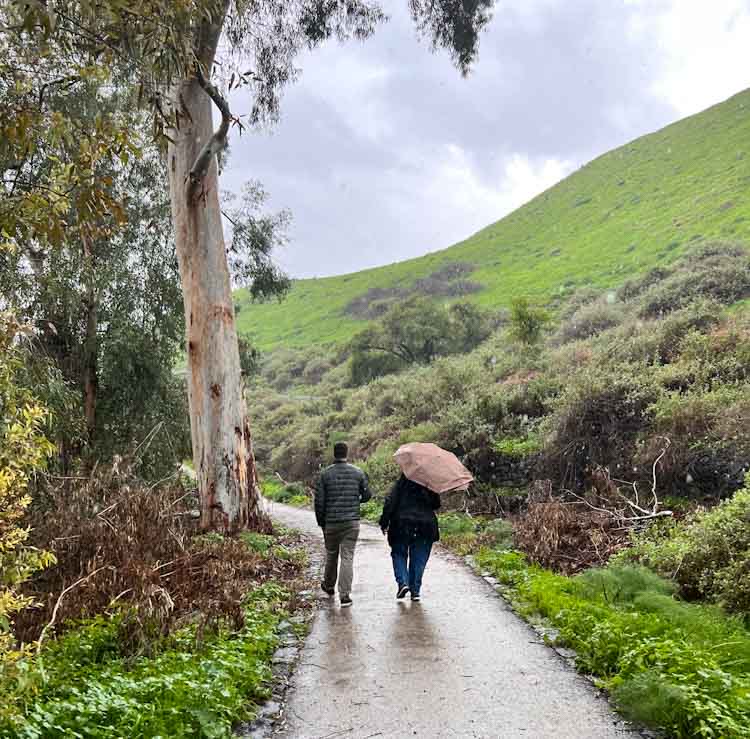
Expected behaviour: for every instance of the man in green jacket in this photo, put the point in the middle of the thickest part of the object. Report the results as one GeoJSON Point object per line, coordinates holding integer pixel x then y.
{"type": "Point", "coordinates": [342, 488]}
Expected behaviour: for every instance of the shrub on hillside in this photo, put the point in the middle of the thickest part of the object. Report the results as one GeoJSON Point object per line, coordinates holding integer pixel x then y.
{"type": "Point", "coordinates": [717, 273]}
{"type": "Point", "coordinates": [301, 454]}
{"type": "Point", "coordinates": [637, 286]}
{"type": "Point", "coordinates": [527, 321]}
{"type": "Point", "coordinates": [655, 341]}
{"type": "Point", "coordinates": [596, 422]}
{"type": "Point", "coordinates": [708, 555]}
{"type": "Point", "coordinates": [316, 369]}
{"type": "Point", "coordinates": [582, 297]}
{"type": "Point", "coordinates": [708, 360]}
{"type": "Point", "coordinates": [367, 366]}
{"type": "Point", "coordinates": [589, 320]}
{"type": "Point", "coordinates": [416, 331]}
{"type": "Point", "coordinates": [698, 432]}
{"type": "Point", "coordinates": [382, 470]}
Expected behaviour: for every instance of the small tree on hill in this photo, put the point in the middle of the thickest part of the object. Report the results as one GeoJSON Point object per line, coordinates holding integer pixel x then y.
{"type": "Point", "coordinates": [527, 321]}
{"type": "Point", "coordinates": [416, 331]}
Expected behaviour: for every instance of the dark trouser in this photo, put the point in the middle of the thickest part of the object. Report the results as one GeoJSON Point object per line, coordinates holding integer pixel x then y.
{"type": "Point", "coordinates": [410, 557]}
{"type": "Point", "coordinates": [340, 538]}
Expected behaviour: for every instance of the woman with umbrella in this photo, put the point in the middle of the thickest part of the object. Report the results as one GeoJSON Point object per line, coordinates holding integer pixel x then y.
{"type": "Point", "coordinates": [409, 511]}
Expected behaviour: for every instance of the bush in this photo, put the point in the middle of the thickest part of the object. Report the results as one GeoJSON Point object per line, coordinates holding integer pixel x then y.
{"type": "Point", "coordinates": [596, 422]}
{"type": "Point", "coordinates": [518, 447]}
{"type": "Point", "coordinates": [589, 320]}
{"type": "Point", "coordinates": [113, 535]}
{"type": "Point", "coordinates": [527, 321]}
{"type": "Point", "coordinates": [281, 492]}
{"type": "Point", "coordinates": [655, 342]}
{"type": "Point", "coordinates": [704, 453]}
{"type": "Point", "coordinates": [636, 287]}
{"type": "Point", "coordinates": [707, 360]}
{"type": "Point", "coordinates": [372, 510]}
{"type": "Point", "coordinates": [708, 555]}
{"type": "Point", "coordinates": [382, 470]}
{"type": "Point", "coordinates": [24, 450]}
{"type": "Point", "coordinates": [717, 272]}
{"type": "Point", "coordinates": [416, 331]}
{"type": "Point", "coordinates": [567, 537]}
{"type": "Point", "coordinates": [368, 366]}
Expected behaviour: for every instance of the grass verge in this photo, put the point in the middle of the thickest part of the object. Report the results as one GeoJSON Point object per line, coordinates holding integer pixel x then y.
{"type": "Point", "coordinates": [670, 665]}
{"type": "Point", "coordinates": [292, 494]}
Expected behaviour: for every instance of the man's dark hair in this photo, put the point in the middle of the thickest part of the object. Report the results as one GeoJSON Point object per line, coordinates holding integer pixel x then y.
{"type": "Point", "coordinates": [340, 450]}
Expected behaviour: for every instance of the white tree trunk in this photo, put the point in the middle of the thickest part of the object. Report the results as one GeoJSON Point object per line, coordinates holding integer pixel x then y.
{"type": "Point", "coordinates": [222, 447]}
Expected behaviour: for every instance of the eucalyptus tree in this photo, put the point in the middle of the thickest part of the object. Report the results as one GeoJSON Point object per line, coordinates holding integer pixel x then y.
{"type": "Point", "coordinates": [173, 48]}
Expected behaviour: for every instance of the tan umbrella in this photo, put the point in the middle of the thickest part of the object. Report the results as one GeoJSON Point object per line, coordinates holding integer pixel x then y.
{"type": "Point", "coordinates": [433, 467]}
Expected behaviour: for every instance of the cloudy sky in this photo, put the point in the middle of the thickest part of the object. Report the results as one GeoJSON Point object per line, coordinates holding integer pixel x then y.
{"type": "Point", "coordinates": [385, 152]}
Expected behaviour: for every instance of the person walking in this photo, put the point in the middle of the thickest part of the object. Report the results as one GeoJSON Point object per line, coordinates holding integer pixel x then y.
{"type": "Point", "coordinates": [341, 489]}
{"type": "Point", "coordinates": [410, 522]}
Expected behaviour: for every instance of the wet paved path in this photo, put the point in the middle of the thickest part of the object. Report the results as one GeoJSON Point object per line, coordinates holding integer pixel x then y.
{"type": "Point", "coordinates": [458, 664]}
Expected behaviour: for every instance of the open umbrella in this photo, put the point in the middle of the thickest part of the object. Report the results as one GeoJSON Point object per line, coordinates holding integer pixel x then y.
{"type": "Point", "coordinates": [433, 467]}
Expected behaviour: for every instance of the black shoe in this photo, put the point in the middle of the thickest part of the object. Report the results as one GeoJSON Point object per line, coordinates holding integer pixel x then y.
{"type": "Point", "coordinates": [327, 591]}
{"type": "Point", "coordinates": [346, 601]}
{"type": "Point", "coordinates": [402, 591]}
{"type": "Point", "coordinates": [416, 597]}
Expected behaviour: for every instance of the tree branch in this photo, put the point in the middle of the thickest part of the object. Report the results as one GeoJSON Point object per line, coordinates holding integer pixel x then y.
{"type": "Point", "coordinates": [59, 601]}
{"type": "Point", "coordinates": [218, 141]}
{"type": "Point", "coordinates": [385, 349]}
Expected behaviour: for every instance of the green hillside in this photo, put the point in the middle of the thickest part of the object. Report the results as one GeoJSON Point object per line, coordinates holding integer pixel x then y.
{"type": "Point", "coordinates": [628, 210]}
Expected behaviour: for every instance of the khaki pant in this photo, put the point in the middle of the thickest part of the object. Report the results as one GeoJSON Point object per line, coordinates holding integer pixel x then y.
{"type": "Point", "coordinates": [340, 538]}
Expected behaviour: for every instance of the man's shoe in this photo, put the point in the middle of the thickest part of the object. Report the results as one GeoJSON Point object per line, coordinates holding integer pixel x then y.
{"type": "Point", "coordinates": [346, 601]}
{"type": "Point", "coordinates": [416, 597]}
{"type": "Point", "coordinates": [327, 591]}
{"type": "Point", "coordinates": [402, 591]}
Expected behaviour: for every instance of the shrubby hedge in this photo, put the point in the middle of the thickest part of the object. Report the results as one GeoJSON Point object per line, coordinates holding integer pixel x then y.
{"type": "Point", "coordinates": [707, 555]}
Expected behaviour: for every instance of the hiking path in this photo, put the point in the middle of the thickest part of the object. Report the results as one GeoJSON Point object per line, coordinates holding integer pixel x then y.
{"type": "Point", "coordinates": [458, 664]}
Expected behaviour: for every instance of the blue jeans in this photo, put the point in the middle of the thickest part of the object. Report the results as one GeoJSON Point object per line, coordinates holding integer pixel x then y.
{"type": "Point", "coordinates": [409, 560]}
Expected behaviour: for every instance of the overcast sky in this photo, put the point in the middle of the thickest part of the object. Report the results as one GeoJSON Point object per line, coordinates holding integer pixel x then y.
{"type": "Point", "coordinates": [385, 152]}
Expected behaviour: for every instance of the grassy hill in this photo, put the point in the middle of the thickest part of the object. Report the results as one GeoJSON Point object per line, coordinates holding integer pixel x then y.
{"type": "Point", "coordinates": [632, 208]}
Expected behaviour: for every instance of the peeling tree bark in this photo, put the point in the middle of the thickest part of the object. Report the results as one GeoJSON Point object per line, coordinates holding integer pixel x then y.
{"type": "Point", "coordinates": [222, 445]}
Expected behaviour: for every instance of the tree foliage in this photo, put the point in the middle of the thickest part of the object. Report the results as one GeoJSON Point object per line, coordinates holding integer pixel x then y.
{"type": "Point", "coordinates": [24, 450]}
{"type": "Point", "coordinates": [105, 299]}
{"type": "Point", "coordinates": [255, 234]}
{"type": "Point", "coordinates": [527, 321]}
{"type": "Point", "coordinates": [416, 331]}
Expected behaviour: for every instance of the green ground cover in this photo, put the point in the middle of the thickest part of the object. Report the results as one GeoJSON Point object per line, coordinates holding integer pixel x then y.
{"type": "Point", "coordinates": [197, 681]}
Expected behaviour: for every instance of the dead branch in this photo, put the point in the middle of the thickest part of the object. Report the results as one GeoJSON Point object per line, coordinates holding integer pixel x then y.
{"type": "Point", "coordinates": [59, 601]}
{"type": "Point", "coordinates": [656, 462]}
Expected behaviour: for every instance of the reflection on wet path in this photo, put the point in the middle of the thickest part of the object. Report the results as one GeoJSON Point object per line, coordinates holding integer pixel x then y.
{"type": "Point", "coordinates": [458, 664]}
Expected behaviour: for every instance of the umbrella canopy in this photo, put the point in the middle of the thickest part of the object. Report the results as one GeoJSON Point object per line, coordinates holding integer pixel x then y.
{"type": "Point", "coordinates": [433, 467]}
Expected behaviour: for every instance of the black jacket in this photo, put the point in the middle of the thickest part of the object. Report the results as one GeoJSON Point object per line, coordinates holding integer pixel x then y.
{"type": "Point", "coordinates": [341, 489]}
{"type": "Point", "coordinates": [410, 507]}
